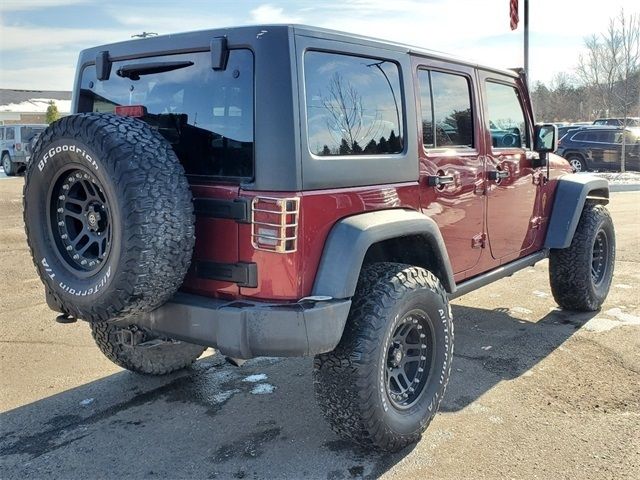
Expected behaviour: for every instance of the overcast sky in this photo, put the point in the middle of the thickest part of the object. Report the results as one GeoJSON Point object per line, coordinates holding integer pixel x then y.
{"type": "Point", "coordinates": [40, 39]}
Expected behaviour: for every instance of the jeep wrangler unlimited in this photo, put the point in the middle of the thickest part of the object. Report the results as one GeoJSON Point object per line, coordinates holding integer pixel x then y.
{"type": "Point", "coordinates": [292, 191]}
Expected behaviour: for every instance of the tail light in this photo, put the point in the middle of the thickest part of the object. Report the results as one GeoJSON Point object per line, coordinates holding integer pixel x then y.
{"type": "Point", "coordinates": [18, 146]}
{"type": "Point", "coordinates": [274, 224]}
{"type": "Point", "coordinates": [136, 111]}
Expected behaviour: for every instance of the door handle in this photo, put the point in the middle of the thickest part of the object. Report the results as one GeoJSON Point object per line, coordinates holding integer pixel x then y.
{"type": "Point", "coordinates": [498, 174]}
{"type": "Point", "coordinates": [437, 180]}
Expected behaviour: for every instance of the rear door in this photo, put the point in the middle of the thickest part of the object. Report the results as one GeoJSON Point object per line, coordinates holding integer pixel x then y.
{"type": "Point", "coordinates": [513, 183]}
{"type": "Point", "coordinates": [451, 166]}
{"type": "Point", "coordinates": [207, 116]}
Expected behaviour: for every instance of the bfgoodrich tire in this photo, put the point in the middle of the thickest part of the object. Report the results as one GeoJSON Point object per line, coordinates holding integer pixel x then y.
{"type": "Point", "coordinates": [147, 357]}
{"type": "Point", "coordinates": [382, 385]}
{"type": "Point", "coordinates": [581, 274]}
{"type": "Point", "coordinates": [108, 215]}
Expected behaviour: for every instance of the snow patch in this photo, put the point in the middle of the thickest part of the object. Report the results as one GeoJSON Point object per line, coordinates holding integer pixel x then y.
{"type": "Point", "coordinates": [263, 389]}
{"type": "Point", "coordinates": [258, 377]}
{"type": "Point", "coordinates": [623, 285]}
{"type": "Point", "coordinates": [540, 294]}
{"type": "Point", "coordinates": [621, 319]}
{"type": "Point", "coordinates": [522, 310]}
{"type": "Point", "coordinates": [224, 396]}
{"type": "Point", "coordinates": [86, 402]}
{"type": "Point", "coordinates": [488, 347]}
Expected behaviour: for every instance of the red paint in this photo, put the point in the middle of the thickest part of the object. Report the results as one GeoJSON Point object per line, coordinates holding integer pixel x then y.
{"type": "Point", "coordinates": [511, 216]}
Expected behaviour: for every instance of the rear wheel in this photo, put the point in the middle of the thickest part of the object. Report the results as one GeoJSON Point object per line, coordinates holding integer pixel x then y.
{"type": "Point", "coordinates": [577, 163]}
{"type": "Point", "coordinates": [581, 274]}
{"type": "Point", "coordinates": [8, 165]}
{"type": "Point", "coordinates": [140, 351]}
{"type": "Point", "coordinates": [382, 385]}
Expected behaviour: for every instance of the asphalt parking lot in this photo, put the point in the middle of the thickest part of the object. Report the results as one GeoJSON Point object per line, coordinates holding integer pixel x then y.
{"type": "Point", "coordinates": [535, 392]}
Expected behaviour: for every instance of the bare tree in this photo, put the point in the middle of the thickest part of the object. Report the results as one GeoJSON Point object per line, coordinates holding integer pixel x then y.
{"type": "Point", "coordinates": [346, 114]}
{"type": "Point", "coordinates": [611, 68]}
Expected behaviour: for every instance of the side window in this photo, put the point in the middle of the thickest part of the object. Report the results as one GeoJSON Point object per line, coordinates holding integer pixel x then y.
{"type": "Point", "coordinates": [1, 133]}
{"type": "Point", "coordinates": [10, 133]}
{"type": "Point", "coordinates": [354, 105]}
{"type": "Point", "coordinates": [445, 109]}
{"type": "Point", "coordinates": [506, 117]}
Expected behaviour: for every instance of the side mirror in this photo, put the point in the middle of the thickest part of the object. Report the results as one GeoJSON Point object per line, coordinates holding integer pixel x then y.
{"type": "Point", "coordinates": [545, 138]}
{"type": "Point", "coordinates": [545, 141]}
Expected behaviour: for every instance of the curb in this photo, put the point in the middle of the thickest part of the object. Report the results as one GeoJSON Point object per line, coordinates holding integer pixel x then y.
{"type": "Point", "coordinates": [624, 187]}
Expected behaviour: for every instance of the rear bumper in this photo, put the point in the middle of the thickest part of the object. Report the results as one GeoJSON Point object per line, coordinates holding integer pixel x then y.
{"type": "Point", "coordinates": [245, 330]}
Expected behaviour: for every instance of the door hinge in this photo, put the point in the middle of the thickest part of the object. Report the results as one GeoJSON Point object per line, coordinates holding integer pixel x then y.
{"type": "Point", "coordinates": [479, 241]}
{"type": "Point", "coordinates": [536, 222]}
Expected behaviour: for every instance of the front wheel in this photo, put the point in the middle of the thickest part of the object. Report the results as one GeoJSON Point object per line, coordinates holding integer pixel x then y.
{"type": "Point", "coordinates": [382, 385]}
{"type": "Point", "coordinates": [581, 274]}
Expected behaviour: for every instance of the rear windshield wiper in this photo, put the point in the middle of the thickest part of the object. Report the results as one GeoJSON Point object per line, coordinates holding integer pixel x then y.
{"type": "Point", "coordinates": [134, 71]}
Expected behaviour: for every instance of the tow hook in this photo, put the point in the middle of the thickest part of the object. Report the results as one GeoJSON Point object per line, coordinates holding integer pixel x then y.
{"type": "Point", "coordinates": [128, 337]}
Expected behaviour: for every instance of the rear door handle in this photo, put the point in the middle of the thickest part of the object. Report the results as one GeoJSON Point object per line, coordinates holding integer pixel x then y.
{"type": "Point", "coordinates": [437, 180]}
{"type": "Point", "coordinates": [498, 174]}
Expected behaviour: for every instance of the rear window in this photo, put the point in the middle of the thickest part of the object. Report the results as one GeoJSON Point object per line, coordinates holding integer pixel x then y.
{"type": "Point", "coordinates": [27, 133]}
{"type": "Point", "coordinates": [206, 114]}
{"type": "Point", "coordinates": [354, 105]}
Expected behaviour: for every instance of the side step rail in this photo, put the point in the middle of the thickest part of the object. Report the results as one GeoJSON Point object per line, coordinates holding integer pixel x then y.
{"type": "Point", "coordinates": [503, 271]}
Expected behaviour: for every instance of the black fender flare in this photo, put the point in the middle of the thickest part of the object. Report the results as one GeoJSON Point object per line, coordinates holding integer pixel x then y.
{"type": "Point", "coordinates": [572, 192]}
{"type": "Point", "coordinates": [351, 237]}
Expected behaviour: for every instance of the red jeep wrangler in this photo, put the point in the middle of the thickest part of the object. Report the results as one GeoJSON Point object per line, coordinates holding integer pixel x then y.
{"type": "Point", "coordinates": [292, 191]}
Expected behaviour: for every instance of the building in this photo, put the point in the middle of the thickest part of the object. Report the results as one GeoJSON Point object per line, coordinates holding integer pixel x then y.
{"type": "Point", "coordinates": [30, 106]}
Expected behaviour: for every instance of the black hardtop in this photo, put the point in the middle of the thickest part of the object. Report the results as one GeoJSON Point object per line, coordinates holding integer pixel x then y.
{"type": "Point", "coordinates": [200, 41]}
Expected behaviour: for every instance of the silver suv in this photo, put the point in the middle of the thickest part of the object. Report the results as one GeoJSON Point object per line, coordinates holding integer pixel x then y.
{"type": "Point", "coordinates": [15, 144]}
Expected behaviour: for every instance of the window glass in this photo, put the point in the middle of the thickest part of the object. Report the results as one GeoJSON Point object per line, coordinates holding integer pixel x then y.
{"type": "Point", "coordinates": [27, 133]}
{"type": "Point", "coordinates": [1, 133]}
{"type": "Point", "coordinates": [206, 114]}
{"type": "Point", "coordinates": [354, 105]}
{"type": "Point", "coordinates": [426, 107]}
{"type": "Point", "coordinates": [607, 137]}
{"type": "Point", "coordinates": [10, 133]}
{"type": "Point", "coordinates": [506, 118]}
{"type": "Point", "coordinates": [452, 121]}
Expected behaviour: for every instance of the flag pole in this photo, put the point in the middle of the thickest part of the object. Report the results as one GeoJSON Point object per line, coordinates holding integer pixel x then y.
{"type": "Point", "coordinates": [526, 39]}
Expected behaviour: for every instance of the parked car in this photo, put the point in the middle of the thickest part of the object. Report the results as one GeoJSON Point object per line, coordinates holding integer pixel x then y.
{"type": "Point", "coordinates": [294, 191]}
{"type": "Point", "coordinates": [15, 145]}
{"type": "Point", "coordinates": [600, 148]}
{"type": "Point", "coordinates": [618, 122]}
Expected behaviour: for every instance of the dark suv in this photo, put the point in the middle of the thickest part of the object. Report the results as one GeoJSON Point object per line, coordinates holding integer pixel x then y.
{"type": "Point", "coordinates": [601, 148]}
{"type": "Point", "coordinates": [293, 191]}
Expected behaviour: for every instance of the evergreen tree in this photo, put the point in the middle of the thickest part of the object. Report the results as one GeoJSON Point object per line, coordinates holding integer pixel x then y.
{"type": "Point", "coordinates": [372, 147]}
{"type": "Point", "coordinates": [383, 146]}
{"type": "Point", "coordinates": [356, 148]}
{"type": "Point", "coordinates": [344, 148]}
{"type": "Point", "coordinates": [394, 143]}
{"type": "Point", "coordinates": [52, 113]}
{"type": "Point", "coordinates": [325, 151]}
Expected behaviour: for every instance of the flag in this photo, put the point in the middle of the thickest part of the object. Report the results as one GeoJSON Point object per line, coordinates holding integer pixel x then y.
{"type": "Point", "coordinates": [513, 14]}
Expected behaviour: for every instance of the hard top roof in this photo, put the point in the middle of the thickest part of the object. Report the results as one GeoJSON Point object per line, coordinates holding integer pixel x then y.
{"type": "Point", "coordinates": [304, 30]}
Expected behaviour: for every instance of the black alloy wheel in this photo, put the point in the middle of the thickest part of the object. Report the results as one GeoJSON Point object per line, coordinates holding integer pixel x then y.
{"type": "Point", "coordinates": [600, 260]}
{"type": "Point", "coordinates": [80, 221]}
{"type": "Point", "coordinates": [408, 360]}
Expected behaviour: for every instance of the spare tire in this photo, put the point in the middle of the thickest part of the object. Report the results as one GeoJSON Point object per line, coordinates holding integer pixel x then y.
{"type": "Point", "coordinates": [108, 215]}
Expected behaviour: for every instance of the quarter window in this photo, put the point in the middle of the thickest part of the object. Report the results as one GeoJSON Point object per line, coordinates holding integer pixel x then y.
{"type": "Point", "coordinates": [446, 110]}
{"type": "Point", "coordinates": [10, 133]}
{"type": "Point", "coordinates": [506, 117]}
{"type": "Point", "coordinates": [354, 105]}
{"type": "Point", "coordinates": [1, 133]}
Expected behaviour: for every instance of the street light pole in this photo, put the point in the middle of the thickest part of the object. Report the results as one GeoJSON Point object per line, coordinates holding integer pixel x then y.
{"type": "Point", "coordinates": [526, 39]}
